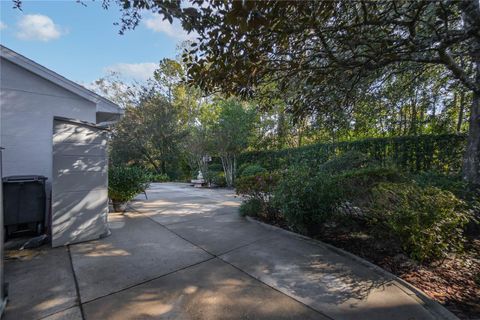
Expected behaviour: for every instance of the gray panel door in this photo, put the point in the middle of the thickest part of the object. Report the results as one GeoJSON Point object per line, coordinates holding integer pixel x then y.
{"type": "Point", "coordinates": [79, 183]}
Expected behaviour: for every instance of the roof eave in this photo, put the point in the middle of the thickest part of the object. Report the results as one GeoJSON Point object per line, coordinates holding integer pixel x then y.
{"type": "Point", "coordinates": [102, 104]}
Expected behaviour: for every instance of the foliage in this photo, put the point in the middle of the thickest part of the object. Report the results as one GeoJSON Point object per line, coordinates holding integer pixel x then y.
{"type": "Point", "coordinates": [346, 161]}
{"type": "Point", "coordinates": [124, 183]}
{"type": "Point", "coordinates": [158, 177]}
{"type": "Point", "coordinates": [114, 89]}
{"type": "Point", "coordinates": [427, 221]}
{"type": "Point", "coordinates": [260, 188]}
{"type": "Point", "coordinates": [195, 148]}
{"type": "Point", "coordinates": [357, 183]}
{"type": "Point", "coordinates": [148, 135]}
{"type": "Point", "coordinates": [357, 48]}
{"type": "Point", "coordinates": [442, 153]}
{"type": "Point", "coordinates": [215, 167]}
{"type": "Point", "coordinates": [251, 170]}
{"type": "Point", "coordinates": [230, 135]}
{"type": "Point", "coordinates": [167, 76]}
{"type": "Point", "coordinates": [452, 183]}
{"type": "Point", "coordinates": [306, 201]}
{"type": "Point", "coordinates": [251, 207]}
{"type": "Point", "coordinates": [216, 178]}
{"type": "Point", "coordinates": [371, 68]}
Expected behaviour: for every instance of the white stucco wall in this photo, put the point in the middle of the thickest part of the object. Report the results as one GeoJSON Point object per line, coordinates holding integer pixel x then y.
{"type": "Point", "coordinates": [28, 104]}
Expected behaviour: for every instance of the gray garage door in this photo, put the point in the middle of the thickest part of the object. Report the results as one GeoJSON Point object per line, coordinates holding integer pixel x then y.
{"type": "Point", "coordinates": [79, 182]}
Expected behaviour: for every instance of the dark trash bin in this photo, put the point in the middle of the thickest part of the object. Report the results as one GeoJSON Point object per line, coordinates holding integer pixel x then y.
{"type": "Point", "coordinates": [24, 201]}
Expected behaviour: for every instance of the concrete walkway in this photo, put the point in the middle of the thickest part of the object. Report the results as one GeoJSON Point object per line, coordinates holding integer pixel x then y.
{"type": "Point", "coordinates": [186, 254]}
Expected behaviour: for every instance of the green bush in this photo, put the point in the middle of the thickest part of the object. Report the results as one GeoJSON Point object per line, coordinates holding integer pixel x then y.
{"type": "Point", "coordinates": [358, 183]}
{"type": "Point", "coordinates": [260, 188]}
{"type": "Point", "coordinates": [215, 175]}
{"type": "Point", "coordinates": [251, 207]}
{"type": "Point", "coordinates": [347, 161]}
{"type": "Point", "coordinates": [442, 153]}
{"type": "Point", "coordinates": [452, 183]}
{"type": "Point", "coordinates": [252, 170]}
{"type": "Point", "coordinates": [427, 221]}
{"type": "Point", "coordinates": [309, 200]}
{"type": "Point", "coordinates": [306, 201]}
{"type": "Point", "coordinates": [124, 183]}
{"type": "Point", "coordinates": [216, 167]}
{"type": "Point", "coordinates": [158, 177]}
{"type": "Point", "coordinates": [218, 179]}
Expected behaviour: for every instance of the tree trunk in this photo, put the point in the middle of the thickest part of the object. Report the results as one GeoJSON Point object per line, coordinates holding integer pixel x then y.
{"type": "Point", "coordinates": [471, 160]}
{"type": "Point", "coordinates": [227, 163]}
{"type": "Point", "coordinates": [460, 112]}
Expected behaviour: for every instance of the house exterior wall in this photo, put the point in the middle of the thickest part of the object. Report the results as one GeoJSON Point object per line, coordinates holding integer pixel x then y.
{"type": "Point", "coordinates": [28, 104]}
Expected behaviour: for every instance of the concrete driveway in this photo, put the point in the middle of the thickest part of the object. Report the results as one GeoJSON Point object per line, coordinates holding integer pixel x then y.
{"type": "Point", "coordinates": [185, 253]}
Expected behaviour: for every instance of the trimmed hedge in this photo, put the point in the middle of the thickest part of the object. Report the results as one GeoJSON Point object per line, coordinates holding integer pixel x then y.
{"type": "Point", "coordinates": [441, 153]}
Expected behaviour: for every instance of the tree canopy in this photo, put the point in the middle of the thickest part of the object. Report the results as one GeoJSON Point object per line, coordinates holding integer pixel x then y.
{"type": "Point", "coordinates": [329, 61]}
{"type": "Point", "coordinates": [326, 54]}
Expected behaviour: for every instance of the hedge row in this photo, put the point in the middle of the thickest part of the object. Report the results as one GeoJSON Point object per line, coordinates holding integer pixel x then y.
{"type": "Point", "coordinates": [441, 153]}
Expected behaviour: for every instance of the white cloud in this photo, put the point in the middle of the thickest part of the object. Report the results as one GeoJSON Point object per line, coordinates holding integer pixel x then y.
{"type": "Point", "coordinates": [38, 27]}
{"type": "Point", "coordinates": [172, 30]}
{"type": "Point", "coordinates": [136, 71]}
{"type": "Point", "coordinates": [2, 25]}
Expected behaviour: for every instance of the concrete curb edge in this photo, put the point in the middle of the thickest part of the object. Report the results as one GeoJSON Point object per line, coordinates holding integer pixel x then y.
{"type": "Point", "coordinates": [433, 306]}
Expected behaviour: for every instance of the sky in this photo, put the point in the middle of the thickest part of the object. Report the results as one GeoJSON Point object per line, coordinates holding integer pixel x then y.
{"type": "Point", "coordinates": [82, 43]}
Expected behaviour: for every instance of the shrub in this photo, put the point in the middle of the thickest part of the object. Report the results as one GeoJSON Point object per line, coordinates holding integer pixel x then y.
{"type": "Point", "coordinates": [251, 207]}
{"type": "Point", "coordinates": [124, 183]}
{"type": "Point", "coordinates": [215, 175]}
{"type": "Point", "coordinates": [358, 183]}
{"type": "Point", "coordinates": [442, 153]}
{"type": "Point", "coordinates": [252, 170]}
{"type": "Point", "coordinates": [428, 222]}
{"type": "Point", "coordinates": [306, 201]}
{"type": "Point", "coordinates": [347, 161]}
{"type": "Point", "coordinates": [158, 177]}
{"type": "Point", "coordinates": [452, 183]}
{"type": "Point", "coordinates": [259, 188]}
{"type": "Point", "coordinates": [218, 179]}
{"type": "Point", "coordinates": [309, 200]}
{"type": "Point", "coordinates": [216, 167]}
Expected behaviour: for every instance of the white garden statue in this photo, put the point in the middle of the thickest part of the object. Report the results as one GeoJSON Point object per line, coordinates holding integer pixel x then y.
{"type": "Point", "coordinates": [199, 181]}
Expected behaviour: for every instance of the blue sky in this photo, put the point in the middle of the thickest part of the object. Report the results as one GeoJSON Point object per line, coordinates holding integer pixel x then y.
{"type": "Point", "coordinates": [82, 43]}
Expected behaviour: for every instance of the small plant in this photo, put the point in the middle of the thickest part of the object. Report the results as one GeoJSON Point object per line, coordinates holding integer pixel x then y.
{"type": "Point", "coordinates": [428, 222]}
{"type": "Point", "coordinates": [251, 207]}
{"type": "Point", "coordinates": [259, 189]}
{"type": "Point", "coordinates": [124, 183]}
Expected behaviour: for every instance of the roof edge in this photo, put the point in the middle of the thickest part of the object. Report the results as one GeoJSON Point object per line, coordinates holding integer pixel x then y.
{"type": "Point", "coordinates": [59, 80]}
{"type": "Point", "coordinates": [80, 122]}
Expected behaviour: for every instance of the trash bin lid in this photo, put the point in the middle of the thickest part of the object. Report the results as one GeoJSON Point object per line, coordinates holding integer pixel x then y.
{"type": "Point", "coordinates": [25, 178]}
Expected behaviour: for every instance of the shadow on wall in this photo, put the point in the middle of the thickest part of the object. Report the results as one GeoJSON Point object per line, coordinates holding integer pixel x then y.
{"type": "Point", "coordinates": [79, 186]}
